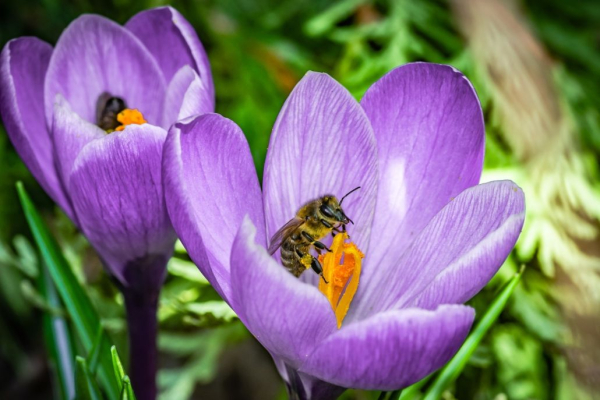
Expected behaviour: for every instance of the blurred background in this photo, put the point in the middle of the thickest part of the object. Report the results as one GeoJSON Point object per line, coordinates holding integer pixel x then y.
{"type": "Point", "coordinates": [536, 67]}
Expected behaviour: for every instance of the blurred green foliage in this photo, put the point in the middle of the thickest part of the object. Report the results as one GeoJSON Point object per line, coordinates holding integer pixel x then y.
{"type": "Point", "coordinates": [258, 50]}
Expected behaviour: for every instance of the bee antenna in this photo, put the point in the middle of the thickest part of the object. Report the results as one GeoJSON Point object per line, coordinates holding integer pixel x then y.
{"type": "Point", "coordinates": [346, 195]}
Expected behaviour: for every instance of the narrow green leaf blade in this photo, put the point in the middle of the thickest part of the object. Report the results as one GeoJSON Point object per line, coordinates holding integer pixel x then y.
{"type": "Point", "coordinates": [117, 366]}
{"type": "Point", "coordinates": [58, 339]}
{"type": "Point", "coordinates": [93, 357]}
{"type": "Point", "coordinates": [76, 301]}
{"type": "Point", "coordinates": [127, 390]}
{"type": "Point", "coordinates": [395, 394]}
{"type": "Point", "coordinates": [414, 390]}
{"type": "Point", "coordinates": [455, 366]}
{"type": "Point", "coordinates": [85, 385]}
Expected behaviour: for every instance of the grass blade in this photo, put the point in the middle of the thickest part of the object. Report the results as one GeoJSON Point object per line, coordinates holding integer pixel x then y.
{"type": "Point", "coordinates": [80, 308]}
{"type": "Point", "coordinates": [116, 363]}
{"type": "Point", "coordinates": [455, 366]}
{"type": "Point", "coordinates": [94, 354]}
{"type": "Point", "coordinates": [58, 339]}
{"type": "Point", "coordinates": [127, 391]}
{"type": "Point", "coordinates": [126, 388]}
{"type": "Point", "coordinates": [86, 387]}
{"type": "Point", "coordinates": [413, 390]}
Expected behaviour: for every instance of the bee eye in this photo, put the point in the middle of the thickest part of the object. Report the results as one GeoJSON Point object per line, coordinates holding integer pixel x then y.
{"type": "Point", "coordinates": [325, 210]}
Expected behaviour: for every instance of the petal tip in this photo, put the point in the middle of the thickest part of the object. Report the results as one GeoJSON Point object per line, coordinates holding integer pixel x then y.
{"type": "Point", "coordinates": [186, 125]}
{"type": "Point", "coordinates": [318, 77]}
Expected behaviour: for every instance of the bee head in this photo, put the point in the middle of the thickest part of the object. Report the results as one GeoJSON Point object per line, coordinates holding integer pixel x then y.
{"type": "Point", "coordinates": [330, 208]}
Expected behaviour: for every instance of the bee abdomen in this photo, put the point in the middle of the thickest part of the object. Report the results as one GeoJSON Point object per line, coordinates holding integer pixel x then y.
{"type": "Point", "coordinates": [291, 252]}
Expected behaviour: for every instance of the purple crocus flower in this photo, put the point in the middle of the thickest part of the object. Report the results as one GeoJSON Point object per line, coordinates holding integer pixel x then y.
{"type": "Point", "coordinates": [431, 237]}
{"type": "Point", "coordinates": [89, 119]}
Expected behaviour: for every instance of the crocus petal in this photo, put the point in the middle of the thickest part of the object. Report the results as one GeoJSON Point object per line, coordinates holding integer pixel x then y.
{"type": "Point", "coordinates": [286, 315]}
{"type": "Point", "coordinates": [186, 97]}
{"type": "Point", "coordinates": [469, 273]}
{"type": "Point", "coordinates": [70, 133]}
{"type": "Point", "coordinates": [430, 140]}
{"type": "Point", "coordinates": [174, 43]}
{"type": "Point", "coordinates": [210, 185]}
{"type": "Point", "coordinates": [23, 65]}
{"type": "Point", "coordinates": [455, 255]}
{"type": "Point", "coordinates": [391, 350]}
{"type": "Point", "coordinates": [322, 143]}
{"type": "Point", "coordinates": [116, 190]}
{"type": "Point", "coordinates": [95, 55]}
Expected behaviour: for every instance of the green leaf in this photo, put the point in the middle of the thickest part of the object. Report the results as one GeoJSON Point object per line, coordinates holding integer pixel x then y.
{"type": "Point", "coordinates": [125, 383]}
{"type": "Point", "coordinates": [395, 394]}
{"type": "Point", "coordinates": [389, 395]}
{"type": "Point", "coordinates": [24, 260]}
{"type": "Point", "coordinates": [58, 339]}
{"type": "Point", "coordinates": [414, 390]}
{"type": "Point", "coordinates": [455, 366]}
{"type": "Point", "coordinates": [85, 384]}
{"type": "Point", "coordinates": [209, 313]}
{"type": "Point", "coordinates": [326, 19]}
{"type": "Point", "coordinates": [520, 366]}
{"type": "Point", "coordinates": [76, 301]}
{"type": "Point", "coordinates": [27, 260]}
{"type": "Point", "coordinates": [117, 366]}
{"type": "Point", "coordinates": [187, 270]}
{"type": "Point", "coordinates": [127, 391]}
{"type": "Point", "coordinates": [94, 355]}
{"type": "Point", "coordinates": [37, 299]}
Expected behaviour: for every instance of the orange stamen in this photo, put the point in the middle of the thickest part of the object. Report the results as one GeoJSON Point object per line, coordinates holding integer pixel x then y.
{"type": "Point", "coordinates": [128, 117]}
{"type": "Point", "coordinates": [341, 276]}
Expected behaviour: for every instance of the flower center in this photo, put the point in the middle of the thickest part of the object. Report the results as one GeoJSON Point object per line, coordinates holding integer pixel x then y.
{"type": "Point", "coordinates": [112, 113]}
{"type": "Point", "coordinates": [129, 117]}
{"type": "Point", "coordinates": [342, 275]}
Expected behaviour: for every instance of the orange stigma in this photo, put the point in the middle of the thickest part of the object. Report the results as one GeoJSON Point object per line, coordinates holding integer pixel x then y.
{"type": "Point", "coordinates": [128, 117]}
{"type": "Point", "coordinates": [342, 278]}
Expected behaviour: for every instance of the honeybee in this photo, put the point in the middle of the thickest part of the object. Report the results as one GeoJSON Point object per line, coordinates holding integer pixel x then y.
{"type": "Point", "coordinates": [107, 109]}
{"type": "Point", "coordinates": [313, 221]}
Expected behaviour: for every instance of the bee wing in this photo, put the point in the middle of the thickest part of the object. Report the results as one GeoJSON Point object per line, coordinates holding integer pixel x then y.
{"type": "Point", "coordinates": [283, 233]}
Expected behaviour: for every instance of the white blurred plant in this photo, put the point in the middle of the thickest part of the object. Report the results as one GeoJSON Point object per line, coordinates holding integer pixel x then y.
{"type": "Point", "coordinates": [518, 84]}
{"type": "Point", "coordinates": [563, 200]}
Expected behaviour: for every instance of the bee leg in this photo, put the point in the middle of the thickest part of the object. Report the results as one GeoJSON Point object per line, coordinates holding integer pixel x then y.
{"type": "Point", "coordinates": [316, 266]}
{"type": "Point", "coordinates": [344, 230]}
{"type": "Point", "coordinates": [316, 243]}
{"type": "Point", "coordinates": [319, 251]}
{"type": "Point", "coordinates": [320, 246]}
{"type": "Point", "coordinates": [327, 224]}
{"type": "Point", "coordinates": [334, 230]}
